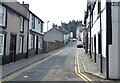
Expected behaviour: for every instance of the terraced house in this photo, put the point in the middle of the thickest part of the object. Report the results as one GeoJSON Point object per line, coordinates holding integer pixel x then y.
{"type": "Point", "coordinates": [35, 35]}
{"type": "Point", "coordinates": [102, 36]}
{"type": "Point", "coordinates": [13, 31]}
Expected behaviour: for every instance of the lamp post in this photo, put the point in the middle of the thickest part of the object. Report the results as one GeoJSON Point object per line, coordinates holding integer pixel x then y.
{"type": "Point", "coordinates": [47, 25]}
{"type": "Point", "coordinates": [47, 41]}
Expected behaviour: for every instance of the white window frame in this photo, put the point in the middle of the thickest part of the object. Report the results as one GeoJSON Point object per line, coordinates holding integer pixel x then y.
{"type": "Point", "coordinates": [2, 15]}
{"type": "Point", "coordinates": [20, 44]}
{"type": "Point", "coordinates": [21, 24]}
{"type": "Point", "coordinates": [32, 40]}
{"type": "Point", "coordinates": [33, 22]}
{"type": "Point", "coordinates": [2, 50]}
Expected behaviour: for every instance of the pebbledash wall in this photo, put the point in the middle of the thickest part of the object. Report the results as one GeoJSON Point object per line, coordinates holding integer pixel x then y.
{"type": "Point", "coordinates": [114, 49]}
{"type": "Point", "coordinates": [16, 24]}
{"type": "Point", "coordinates": [106, 27]}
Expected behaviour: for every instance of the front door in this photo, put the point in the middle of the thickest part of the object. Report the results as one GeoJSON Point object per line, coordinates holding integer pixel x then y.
{"type": "Point", "coordinates": [37, 45]}
{"type": "Point", "coordinates": [12, 48]}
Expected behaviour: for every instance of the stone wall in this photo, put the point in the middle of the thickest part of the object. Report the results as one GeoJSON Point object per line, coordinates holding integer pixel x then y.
{"type": "Point", "coordinates": [49, 46]}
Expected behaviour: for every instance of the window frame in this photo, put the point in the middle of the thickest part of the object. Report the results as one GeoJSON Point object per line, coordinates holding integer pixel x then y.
{"type": "Point", "coordinates": [21, 24]}
{"type": "Point", "coordinates": [33, 22]}
{"type": "Point", "coordinates": [3, 15]}
{"type": "Point", "coordinates": [32, 43]}
{"type": "Point", "coordinates": [21, 49]}
{"type": "Point", "coordinates": [2, 50]}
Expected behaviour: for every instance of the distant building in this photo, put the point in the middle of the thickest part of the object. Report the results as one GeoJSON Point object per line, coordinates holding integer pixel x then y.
{"type": "Point", "coordinates": [79, 30]}
{"type": "Point", "coordinates": [71, 26]}
{"type": "Point", "coordinates": [55, 34]}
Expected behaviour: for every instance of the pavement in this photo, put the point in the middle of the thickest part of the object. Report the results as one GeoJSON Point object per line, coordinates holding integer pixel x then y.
{"type": "Point", "coordinates": [88, 65]}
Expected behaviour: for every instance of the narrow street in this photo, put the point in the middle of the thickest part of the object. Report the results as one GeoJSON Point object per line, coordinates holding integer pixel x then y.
{"type": "Point", "coordinates": [60, 66]}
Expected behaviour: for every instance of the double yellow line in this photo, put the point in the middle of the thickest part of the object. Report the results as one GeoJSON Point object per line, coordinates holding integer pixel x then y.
{"type": "Point", "coordinates": [78, 72]}
{"type": "Point", "coordinates": [10, 77]}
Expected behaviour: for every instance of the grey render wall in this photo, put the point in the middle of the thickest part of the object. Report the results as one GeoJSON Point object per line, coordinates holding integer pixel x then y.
{"type": "Point", "coordinates": [119, 41]}
{"type": "Point", "coordinates": [13, 26]}
{"type": "Point", "coordinates": [53, 35]}
{"type": "Point", "coordinates": [114, 48]}
{"type": "Point", "coordinates": [17, 7]}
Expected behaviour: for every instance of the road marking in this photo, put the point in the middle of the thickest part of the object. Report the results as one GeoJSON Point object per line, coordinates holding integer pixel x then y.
{"type": "Point", "coordinates": [10, 77]}
{"type": "Point", "coordinates": [77, 69]}
{"type": "Point", "coordinates": [77, 72]}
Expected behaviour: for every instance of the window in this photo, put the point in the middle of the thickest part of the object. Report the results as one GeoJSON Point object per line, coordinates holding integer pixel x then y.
{"type": "Point", "coordinates": [33, 22]}
{"type": "Point", "coordinates": [20, 44]}
{"type": "Point", "coordinates": [32, 41]}
{"type": "Point", "coordinates": [2, 15]}
{"type": "Point", "coordinates": [21, 24]}
{"type": "Point", "coordinates": [38, 21]}
{"type": "Point", "coordinates": [1, 44]}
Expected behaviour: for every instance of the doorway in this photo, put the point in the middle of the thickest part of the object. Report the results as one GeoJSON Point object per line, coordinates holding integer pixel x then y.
{"type": "Point", "coordinates": [37, 45]}
{"type": "Point", "coordinates": [12, 48]}
{"type": "Point", "coordinates": [95, 49]}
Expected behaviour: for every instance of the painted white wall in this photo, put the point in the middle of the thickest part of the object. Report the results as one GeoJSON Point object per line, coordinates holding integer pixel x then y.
{"type": "Point", "coordinates": [66, 38]}
{"type": "Point", "coordinates": [95, 12]}
{"type": "Point", "coordinates": [103, 26]}
{"type": "Point", "coordinates": [94, 31]}
{"type": "Point", "coordinates": [37, 25]}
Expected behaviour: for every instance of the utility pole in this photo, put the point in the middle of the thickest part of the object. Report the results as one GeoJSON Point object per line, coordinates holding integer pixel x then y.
{"type": "Point", "coordinates": [47, 30]}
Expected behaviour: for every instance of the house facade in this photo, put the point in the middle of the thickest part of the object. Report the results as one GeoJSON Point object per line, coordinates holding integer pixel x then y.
{"type": "Point", "coordinates": [35, 45]}
{"type": "Point", "coordinates": [102, 36]}
{"type": "Point", "coordinates": [79, 31]}
{"type": "Point", "coordinates": [13, 31]}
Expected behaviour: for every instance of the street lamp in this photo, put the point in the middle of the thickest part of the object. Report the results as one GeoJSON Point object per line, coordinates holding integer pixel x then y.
{"type": "Point", "coordinates": [47, 25]}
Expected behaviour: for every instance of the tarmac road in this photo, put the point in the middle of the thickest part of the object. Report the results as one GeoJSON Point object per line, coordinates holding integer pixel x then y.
{"type": "Point", "coordinates": [61, 66]}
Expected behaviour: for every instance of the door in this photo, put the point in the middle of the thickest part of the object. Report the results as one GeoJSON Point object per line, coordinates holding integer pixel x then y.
{"type": "Point", "coordinates": [95, 48]}
{"type": "Point", "coordinates": [37, 45]}
{"type": "Point", "coordinates": [12, 48]}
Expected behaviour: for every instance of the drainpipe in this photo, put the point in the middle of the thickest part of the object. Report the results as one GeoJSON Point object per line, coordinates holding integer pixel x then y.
{"type": "Point", "coordinates": [90, 32]}
{"type": "Point", "coordinates": [100, 40]}
{"type": "Point", "coordinates": [108, 35]}
{"type": "Point", "coordinates": [28, 38]}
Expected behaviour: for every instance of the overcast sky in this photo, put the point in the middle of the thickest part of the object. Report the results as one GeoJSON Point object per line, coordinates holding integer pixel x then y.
{"type": "Point", "coordinates": [56, 11]}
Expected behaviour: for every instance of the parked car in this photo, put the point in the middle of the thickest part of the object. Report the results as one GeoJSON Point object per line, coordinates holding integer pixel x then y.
{"type": "Point", "coordinates": [74, 39]}
{"type": "Point", "coordinates": [80, 44]}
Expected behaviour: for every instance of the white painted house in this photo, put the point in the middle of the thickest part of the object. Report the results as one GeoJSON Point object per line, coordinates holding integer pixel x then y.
{"type": "Point", "coordinates": [35, 34]}
{"type": "Point", "coordinates": [102, 24]}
